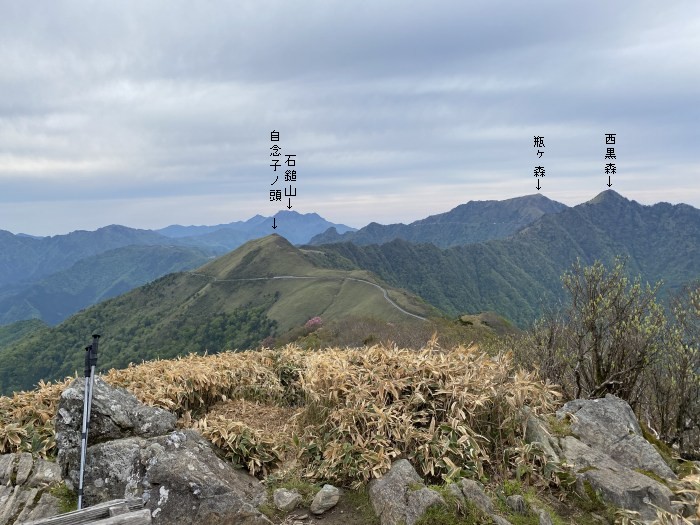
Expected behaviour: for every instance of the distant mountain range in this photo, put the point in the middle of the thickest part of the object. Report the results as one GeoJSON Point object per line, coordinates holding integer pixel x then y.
{"type": "Point", "coordinates": [529, 242]}
{"type": "Point", "coordinates": [265, 287]}
{"type": "Point", "coordinates": [293, 226]}
{"type": "Point", "coordinates": [519, 276]}
{"type": "Point", "coordinates": [475, 221]}
{"type": "Point", "coordinates": [94, 279]}
{"type": "Point", "coordinates": [51, 278]}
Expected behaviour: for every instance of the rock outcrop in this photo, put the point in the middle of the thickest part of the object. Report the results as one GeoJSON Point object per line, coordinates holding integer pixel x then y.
{"type": "Point", "coordinates": [607, 451]}
{"type": "Point", "coordinates": [135, 452]}
{"type": "Point", "coordinates": [115, 414]}
{"type": "Point", "coordinates": [24, 488]}
{"type": "Point", "coordinates": [400, 496]}
{"type": "Point", "coordinates": [609, 425]}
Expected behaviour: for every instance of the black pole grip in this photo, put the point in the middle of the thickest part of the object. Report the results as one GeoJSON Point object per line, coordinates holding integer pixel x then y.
{"type": "Point", "coordinates": [87, 361]}
{"type": "Point", "coordinates": [93, 350]}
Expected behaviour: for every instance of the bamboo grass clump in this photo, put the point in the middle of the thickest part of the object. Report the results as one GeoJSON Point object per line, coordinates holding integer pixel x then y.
{"type": "Point", "coordinates": [451, 412]}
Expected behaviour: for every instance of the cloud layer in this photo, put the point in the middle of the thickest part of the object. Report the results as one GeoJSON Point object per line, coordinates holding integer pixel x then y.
{"type": "Point", "coordinates": [152, 113]}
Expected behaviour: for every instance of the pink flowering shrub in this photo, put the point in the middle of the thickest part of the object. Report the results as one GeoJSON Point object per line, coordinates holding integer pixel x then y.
{"type": "Point", "coordinates": [314, 324]}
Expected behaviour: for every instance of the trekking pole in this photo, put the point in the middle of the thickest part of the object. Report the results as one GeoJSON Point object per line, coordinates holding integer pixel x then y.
{"type": "Point", "coordinates": [90, 364]}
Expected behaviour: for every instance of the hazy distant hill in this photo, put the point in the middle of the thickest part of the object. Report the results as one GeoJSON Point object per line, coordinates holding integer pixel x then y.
{"type": "Point", "coordinates": [475, 221]}
{"type": "Point", "coordinates": [33, 282]}
{"type": "Point", "coordinates": [266, 286]}
{"type": "Point", "coordinates": [25, 258]}
{"type": "Point", "coordinates": [519, 276]}
{"type": "Point", "coordinates": [297, 228]}
{"type": "Point", "coordinates": [94, 279]}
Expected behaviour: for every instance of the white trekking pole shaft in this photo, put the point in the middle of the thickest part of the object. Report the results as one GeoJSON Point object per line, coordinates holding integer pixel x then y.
{"type": "Point", "coordinates": [90, 363]}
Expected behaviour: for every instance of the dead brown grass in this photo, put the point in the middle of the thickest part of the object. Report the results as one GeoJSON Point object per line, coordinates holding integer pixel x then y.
{"type": "Point", "coordinates": [343, 414]}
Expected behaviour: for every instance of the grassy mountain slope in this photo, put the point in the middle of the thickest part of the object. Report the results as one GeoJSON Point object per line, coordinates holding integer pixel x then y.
{"type": "Point", "coordinates": [519, 276]}
{"type": "Point", "coordinates": [53, 277]}
{"type": "Point", "coordinates": [232, 302]}
{"type": "Point", "coordinates": [475, 221]}
{"type": "Point", "coordinates": [94, 279]}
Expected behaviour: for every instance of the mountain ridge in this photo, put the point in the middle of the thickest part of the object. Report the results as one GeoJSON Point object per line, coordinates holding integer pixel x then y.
{"type": "Point", "coordinates": [520, 275]}
{"type": "Point", "coordinates": [234, 301]}
{"type": "Point", "coordinates": [475, 221]}
{"type": "Point", "coordinates": [27, 262]}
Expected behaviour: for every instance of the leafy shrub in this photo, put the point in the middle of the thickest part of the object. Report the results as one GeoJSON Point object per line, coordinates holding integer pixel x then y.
{"type": "Point", "coordinates": [245, 446]}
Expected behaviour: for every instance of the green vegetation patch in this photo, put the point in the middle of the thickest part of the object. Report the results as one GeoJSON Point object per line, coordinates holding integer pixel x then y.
{"type": "Point", "coordinates": [67, 499]}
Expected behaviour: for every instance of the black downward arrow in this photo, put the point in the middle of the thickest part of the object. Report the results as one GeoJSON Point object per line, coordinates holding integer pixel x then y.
{"type": "Point", "coordinates": [538, 184]}
{"type": "Point", "coordinates": [609, 183]}
{"type": "Point", "coordinates": [289, 206]}
{"type": "Point", "coordinates": [274, 223]}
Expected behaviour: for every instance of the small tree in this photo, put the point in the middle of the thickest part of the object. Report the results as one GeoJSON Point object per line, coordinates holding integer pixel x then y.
{"type": "Point", "coordinates": [601, 342]}
{"type": "Point", "coordinates": [673, 397]}
{"type": "Point", "coordinates": [614, 329]}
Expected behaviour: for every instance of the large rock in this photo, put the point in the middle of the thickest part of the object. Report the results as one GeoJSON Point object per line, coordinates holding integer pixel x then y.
{"type": "Point", "coordinates": [400, 496]}
{"type": "Point", "coordinates": [13, 503]}
{"type": "Point", "coordinates": [115, 414]}
{"type": "Point", "coordinates": [536, 431]}
{"type": "Point", "coordinates": [474, 492]}
{"type": "Point", "coordinates": [47, 507]}
{"type": "Point", "coordinates": [134, 452]}
{"type": "Point", "coordinates": [286, 500]}
{"type": "Point", "coordinates": [616, 483]}
{"type": "Point", "coordinates": [325, 499]}
{"type": "Point", "coordinates": [179, 477]}
{"type": "Point", "coordinates": [609, 424]}
{"type": "Point", "coordinates": [23, 488]}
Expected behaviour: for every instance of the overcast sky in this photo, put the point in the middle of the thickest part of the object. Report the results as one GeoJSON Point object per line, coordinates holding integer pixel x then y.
{"type": "Point", "coordinates": [149, 113]}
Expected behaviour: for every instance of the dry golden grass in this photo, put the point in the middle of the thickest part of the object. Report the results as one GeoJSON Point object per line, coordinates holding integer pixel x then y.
{"type": "Point", "coordinates": [26, 419]}
{"type": "Point", "coordinates": [343, 414]}
{"type": "Point", "coordinates": [271, 420]}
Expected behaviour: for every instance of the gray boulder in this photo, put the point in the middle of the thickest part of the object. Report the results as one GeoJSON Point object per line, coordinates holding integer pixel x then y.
{"type": "Point", "coordinates": [536, 431]}
{"type": "Point", "coordinates": [609, 424]}
{"type": "Point", "coordinates": [179, 477]}
{"type": "Point", "coordinates": [325, 499]}
{"type": "Point", "coordinates": [115, 414]}
{"type": "Point", "coordinates": [44, 473]}
{"type": "Point", "coordinates": [24, 468]}
{"type": "Point", "coordinates": [7, 467]}
{"type": "Point", "coordinates": [47, 507]}
{"type": "Point", "coordinates": [498, 520]}
{"type": "Point", "coordinates": [23, 488]}
{"type": "Point", "coordinates": [517, 504]}
{"type": "Point", "coordinates": [616, 483]}
{"type": "Point", "coordinates": [454, 490]}
{"type": "Point", "coordinates": [13, 501]}
{"type": "Point", "coordinates": [544, 518]}
{"type": "Point", "coordinates": [474, 492]}
{"type": "Point", "coordinates": [134, 452]}
{"type": "Point", "coordinates": [286, 500]}
{"type": "Point", "coordinates": [400, 496]}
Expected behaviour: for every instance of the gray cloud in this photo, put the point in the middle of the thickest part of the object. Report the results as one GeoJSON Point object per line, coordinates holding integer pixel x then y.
{"type": "Point", "coordinates": [150, 113]}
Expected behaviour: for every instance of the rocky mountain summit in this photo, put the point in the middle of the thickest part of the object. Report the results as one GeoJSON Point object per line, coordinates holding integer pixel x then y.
{"type": "Point", "coordinates": [136, 452]}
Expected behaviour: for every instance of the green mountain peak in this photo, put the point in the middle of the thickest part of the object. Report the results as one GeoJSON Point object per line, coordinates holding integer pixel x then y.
{"type": "Point", "coordinates": [264, 257]}
{"type": "Point", "coordinates": [608, 197]}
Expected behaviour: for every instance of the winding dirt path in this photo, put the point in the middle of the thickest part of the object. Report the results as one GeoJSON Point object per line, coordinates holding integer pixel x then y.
{"type": "Point", "coordinates": [384, 291]}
